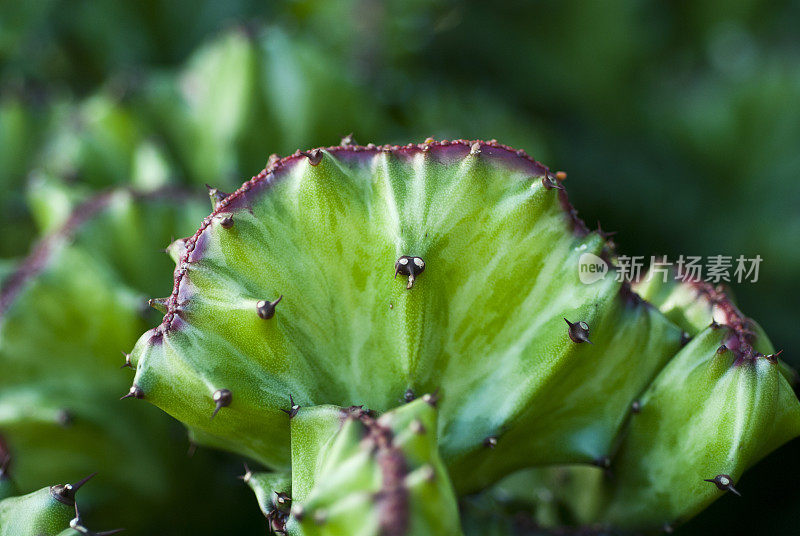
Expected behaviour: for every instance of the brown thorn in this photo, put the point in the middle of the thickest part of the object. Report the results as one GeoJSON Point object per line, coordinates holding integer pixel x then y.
{"type": "Point", "coordinates": [222, 398]}
{"type": "Point", "coordinates": [314, 156]}
{"type": "Point", "coordinates": [135, 392]}
{"type": "Point", "coordinates": [578, 331]}
{"type": "Point", "coordinates": [266, 309]}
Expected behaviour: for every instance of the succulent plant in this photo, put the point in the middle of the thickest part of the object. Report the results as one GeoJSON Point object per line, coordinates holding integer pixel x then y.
{"type": "Point", "coordinates": [66, 312]}
{"type": "Point", "coordinates": [362, 275]}
{"type": "Point", "coordinates": [355, 473]}
{"type": "Point", "coordinates": [50, 511]}
{"type": "Point", "coordinates": [47, 511]}
{"type": "Point", "coordinates": [721, 404]}
{"type": "Point", "coordinates": [242, 92]}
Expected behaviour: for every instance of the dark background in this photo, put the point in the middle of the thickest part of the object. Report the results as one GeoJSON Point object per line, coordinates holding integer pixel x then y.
{"type": "Point", "coordinates": [678, 123]}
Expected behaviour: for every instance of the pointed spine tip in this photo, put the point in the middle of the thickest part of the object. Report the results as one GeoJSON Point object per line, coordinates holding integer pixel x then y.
{"type": "Point", "coordinates": [432, 399]}
{"type": "Point", "coordinates": [266, 309]}
{"type": "Point", "coordinates": [128, 363]}
{"type": "Point", "coordinates": [222, 399]}
{"type": "Point", "coordinates": [217, 196]}
{"type": "Point", "coordinates": [248, 474]}
{"type": "Point", "coordinates": [226, 221]}
{"type": "Point", "coordinates": [578, 331]}
{"type": "Point", "coordinates": [723, 482]}
{"type": "Point", "coordinates": [159, 304]}
{"type": "Point", "coordinates": [550, 184]}
{"type": "Point", "coordinates": [134, 392]}
{"type": "Point", "coordinates": [293, 408]}
{"type": "Point", "coordinates": [314, 156]}
{"type": "Point", "coordinates": [409, 266]}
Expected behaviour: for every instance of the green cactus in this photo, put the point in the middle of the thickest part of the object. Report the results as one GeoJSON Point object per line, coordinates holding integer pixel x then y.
{"type": "Point", "coordinates": [410, 345]}
{"type": "Point", "coordinates": [46, 512]}
{"type": "Point", "coordinates": [66, 313]}
{"type": "Point", "coordinates": [288, 295]}
{"type": "Point", "coordinates": [242, 92]}
{"type": "Point", "coordinates": [721, 404]}
{"type": "Point", "coordinates": [353, 473]}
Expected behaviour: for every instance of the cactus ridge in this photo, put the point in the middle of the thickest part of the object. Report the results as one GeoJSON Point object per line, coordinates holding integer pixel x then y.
{"type": "Point", "coordinates": [376, 476]}
{"type": "Point", "coordinates": [42, 253]}
{"type": "Point", "coordinates": [716, 409]}
{"type": "Point", "coordinates": [724, 312]}
{"type": "Point", "coordinates": [392, 504]}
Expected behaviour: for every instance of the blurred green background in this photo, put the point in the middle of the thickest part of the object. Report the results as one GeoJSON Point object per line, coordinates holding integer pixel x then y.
{"type": "Point", "coordinates": [677, 122]}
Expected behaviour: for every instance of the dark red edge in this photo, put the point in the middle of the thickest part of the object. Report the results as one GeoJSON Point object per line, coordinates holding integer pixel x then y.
{"type": "Point", "coordinates": [42, 251]}
{"type": "Point", "coordinates": [743, 335]}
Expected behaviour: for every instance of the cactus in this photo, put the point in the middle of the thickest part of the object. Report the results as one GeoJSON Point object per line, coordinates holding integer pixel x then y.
{"type": "Point", "coordinates": [243, 92]}
{"type": "Point", "coordinates": [66, 313]}
{"type": "Point", "coordinates": [353, 473]}
{"type": "Point", "coordinates": [360, 275]}
{"type": "Point", "coordinates": [46, 512]}
{"type": "Point", "coordinates": [721, 404]}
